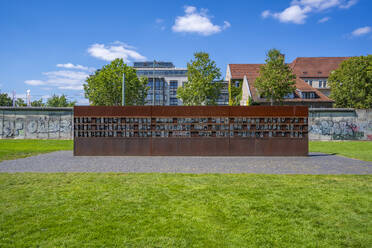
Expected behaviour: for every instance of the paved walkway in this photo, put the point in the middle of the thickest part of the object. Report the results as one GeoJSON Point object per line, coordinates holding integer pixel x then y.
{"type": "Point", "coordinates": [64, 161]}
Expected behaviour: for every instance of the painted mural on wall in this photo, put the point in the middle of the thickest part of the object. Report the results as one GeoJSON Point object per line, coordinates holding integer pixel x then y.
{"type": "Point", "coordinates": [33, 127]}
{"type": "Point", "coordinates": [341, 129]}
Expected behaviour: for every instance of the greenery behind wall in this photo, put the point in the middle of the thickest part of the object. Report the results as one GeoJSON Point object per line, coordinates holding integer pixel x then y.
{"type": "Point", "coordinates": [235, 93]}
{"type": "Point", "coordinates": [351, 83]}
{"type": "Point", "coordinates": [203, 85]}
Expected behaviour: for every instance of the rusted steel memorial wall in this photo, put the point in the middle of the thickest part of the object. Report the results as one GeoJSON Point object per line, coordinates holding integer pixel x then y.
{"type": "Point", "coordinates": [191, 131]}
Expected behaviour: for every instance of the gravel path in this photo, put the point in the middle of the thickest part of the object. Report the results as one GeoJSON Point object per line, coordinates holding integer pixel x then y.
{"type": "Point", "coordinates": [64, 161]}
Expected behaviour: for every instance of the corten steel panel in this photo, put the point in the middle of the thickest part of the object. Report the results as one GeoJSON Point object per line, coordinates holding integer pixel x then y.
{"type": "Point", "coordinates": [190, 146]}
{"type": "Point", "coordinates": [242, 147]}
{"type": "Point", "coordinates": [301, 111]}
{"type": "Point", "coordinates": [210, 146]}
{"type": "Point", "coordinates": [185, 111]}
{"type": "Point", "coordinates": [112, 147]}
{"type": "Point", "coordinates": [269, 111]}
{"type": "Point", "coordinates": [281, 147]}
{"type": "Point", "coordinates": [104, 111]}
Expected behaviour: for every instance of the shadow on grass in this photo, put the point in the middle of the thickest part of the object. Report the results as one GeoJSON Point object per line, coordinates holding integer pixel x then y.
{"type": "Point", "coordinates": [322, 154]}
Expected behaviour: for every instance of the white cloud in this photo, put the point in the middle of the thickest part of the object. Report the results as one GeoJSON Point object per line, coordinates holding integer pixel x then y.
{"type": "Point", "coordinates": [77, 67]}
{"type": "Point", "coordinates": [66, 80]}
{"type": "Point", "coordinates": [265, 14]}
{"type": "Point", "coordinates": [348, 4]}
{"type": "Point", "coordinates": [159, 20]}
{"type": "Point", "coordinates": [324, 19]}
{"type": "Point", "coordinates": [35, 82]}
{"type": "Point", "coordinates": [294, 14]}
{"type": "Point", "coordinates": [361, 31]}
{"type": "Point", "coordinates": [63, 80]}
{"type": "Point", "coordinates": [299, 10]}
{"type": "Point", "coordinates": [197, 22]}
{"type": "Point", "coordinates": [82, 101]}
{"type": "Point", "coordinates": [226, 25]}
{"type": "Point", "coordinates": [115, 50]}
{"type": "Point", "coordinates": [159, 23]}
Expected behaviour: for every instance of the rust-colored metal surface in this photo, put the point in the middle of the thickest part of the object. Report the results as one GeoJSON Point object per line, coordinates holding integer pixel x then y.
{"type": "Point", "coordinates": [191, 131]}
{"type": "Point", "coordinates": [104, 111]}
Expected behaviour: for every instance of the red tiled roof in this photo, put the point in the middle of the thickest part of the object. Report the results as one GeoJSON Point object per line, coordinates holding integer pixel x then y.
{"type": "Point", "coordinates": [239, 70]}
{"type": "Point", "coordinates": [252, 71]}
{"type": "Point", "coordinates": [318, 67]}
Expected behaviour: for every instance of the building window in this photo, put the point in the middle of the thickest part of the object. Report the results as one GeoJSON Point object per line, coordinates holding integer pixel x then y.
{"type": "Point", "coordinates": [237, 84]}
{"type": "Point", "coordinates": [311, 82]}
{"type": "Point", "coordinates": [320, 84]}
{"type": "Point", "coordinates": [173, 84]}
{"type": "Point", "coordinates": [324, 84]}
{"type": "Point", "coordinates": [308, 95]}
{"type": "Point", "coordinates": [173, 101]}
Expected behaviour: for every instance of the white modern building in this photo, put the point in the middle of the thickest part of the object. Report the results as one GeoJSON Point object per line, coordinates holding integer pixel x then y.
{"type": "Point", "coordinates": [164, 80]}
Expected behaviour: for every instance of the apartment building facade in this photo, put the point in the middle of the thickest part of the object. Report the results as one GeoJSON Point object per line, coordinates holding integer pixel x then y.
{"type": "Point", "coordinates": [315, 71]}
{"type": "Point", "coordinates": [312, 88]}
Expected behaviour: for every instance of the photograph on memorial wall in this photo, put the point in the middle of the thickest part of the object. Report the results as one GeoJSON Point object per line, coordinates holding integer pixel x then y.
{"type": "Point", "coordinates": [202, 130]}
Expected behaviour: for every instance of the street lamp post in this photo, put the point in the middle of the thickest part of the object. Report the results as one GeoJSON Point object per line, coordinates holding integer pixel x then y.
{"type": "Point", "coordinates": [153, 83]}
{"type": "Point", "coordinates": [123, 91]}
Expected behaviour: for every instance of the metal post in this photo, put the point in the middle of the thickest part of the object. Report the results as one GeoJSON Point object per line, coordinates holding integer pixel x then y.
{"type": "Point", "coordinates": [123, 91]}
{"type": "Point", "coordinates": [14, 100]}
{"type": "Point", "coordinates": [153, 83]}
{"type": "Point", "coordinates": [28, 98]}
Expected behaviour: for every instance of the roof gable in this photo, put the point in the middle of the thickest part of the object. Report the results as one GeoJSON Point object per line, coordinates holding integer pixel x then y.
{"type": "Point", "coordinates": [318, 67]}
{"type": "Point", "coordinates": [252, 71]}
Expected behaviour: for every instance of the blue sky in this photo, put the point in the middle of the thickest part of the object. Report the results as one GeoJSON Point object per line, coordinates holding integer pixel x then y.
{"type": "Point", "coordinates": [50, 46]}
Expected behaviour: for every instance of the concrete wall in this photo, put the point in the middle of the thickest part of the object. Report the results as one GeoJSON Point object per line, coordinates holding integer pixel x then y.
{"type": "Point", "coordinates": [57, 123]}
{"type": "Point", "coordinates": [36, 123]}
{"type": "Point", "coordinates": [340, 124]}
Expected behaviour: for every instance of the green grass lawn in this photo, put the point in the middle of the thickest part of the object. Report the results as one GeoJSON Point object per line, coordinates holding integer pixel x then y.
{"type": "Point", "coordinates": [12, 149]}
{"type": "Point", "coordinates": [179, 210]}
{"type": "Point", "coordinates": [352, 149]}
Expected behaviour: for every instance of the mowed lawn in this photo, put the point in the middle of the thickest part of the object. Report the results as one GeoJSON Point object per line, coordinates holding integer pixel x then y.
{"type": "Point", "coordinates": [181, 210]}
{"type": "Point", "coordinates": [12, 149]}
{"type": "Point", "coordinates": [352, 149]}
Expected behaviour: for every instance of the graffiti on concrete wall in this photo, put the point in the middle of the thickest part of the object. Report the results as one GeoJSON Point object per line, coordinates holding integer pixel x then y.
{"type": "Point", "coordinates": [342, 129]}
{"type": "Point", "coordinates": [36, 127]}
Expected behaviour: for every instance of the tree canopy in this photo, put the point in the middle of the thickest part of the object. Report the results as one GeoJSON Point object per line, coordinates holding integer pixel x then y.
{"type": "Point", "coordinates": [351, 83]}
{"type": "Point", "coordinates": [5, 100]}
{"type": "Point", "coordinates": [201, 88]}
{"type": "Point", "coordinates": [104, 87]}
{"type": "Point", "coordinates": [276, 79]}
{"type": "Point", "coordinates": [20, 103]}
{"type": "Point", "coordinates": [37, 103]}
{"type": "Point", "coordinates": [59, 101]}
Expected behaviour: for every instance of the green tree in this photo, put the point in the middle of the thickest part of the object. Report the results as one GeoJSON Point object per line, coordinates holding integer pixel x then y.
{"type": "Point", "coordinates": [5, 100]}
{"type": "Point", "coordinates": [20, 103]}
{"type": "Point", "coordinates": [351, 83]}
{"type": "Point", "coordinates": [201, 88]}
{"type": "Point", "coordinates": [59, 101]}
{"type": "Point", "coordinates": [276, 79]}
{"type": "Point", "coordinates": [37, 103]}
{"type": "Point", "coordinates": [104, 87]}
